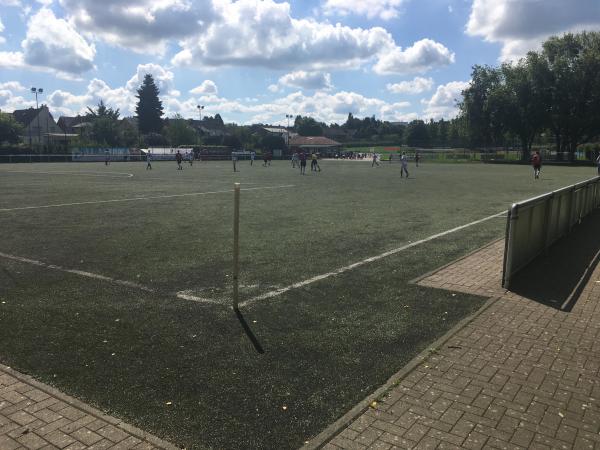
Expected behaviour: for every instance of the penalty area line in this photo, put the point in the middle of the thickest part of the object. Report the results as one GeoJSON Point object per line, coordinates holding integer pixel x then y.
{"type": "Point", "coordinates": [283, 290]}
{"type": "Point", "coordinates": [81, 273]}
{"type": "Point", "coordinates": [96, 276]}
{"type": "Point", "coordinates": [134, 199]}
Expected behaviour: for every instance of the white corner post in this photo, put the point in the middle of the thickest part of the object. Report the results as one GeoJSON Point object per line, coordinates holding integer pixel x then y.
{"type": "Point", "coordinates": [236, 244]}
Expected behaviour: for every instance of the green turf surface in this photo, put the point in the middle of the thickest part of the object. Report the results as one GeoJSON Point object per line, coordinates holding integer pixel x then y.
{"type": "Point", "coordinates": [327, 344]}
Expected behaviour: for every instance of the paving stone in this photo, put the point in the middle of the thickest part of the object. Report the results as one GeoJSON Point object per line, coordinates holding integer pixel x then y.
{"type": "Point", "coordinates": [32, 441]}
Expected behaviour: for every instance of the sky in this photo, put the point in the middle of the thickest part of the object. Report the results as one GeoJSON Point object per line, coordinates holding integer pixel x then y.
{"type": "Point", "coordinates": [256, 61]}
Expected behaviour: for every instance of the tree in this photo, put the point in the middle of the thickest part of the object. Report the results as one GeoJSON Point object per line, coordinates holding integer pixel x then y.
{"type": "Point", "coordinates": [570, 65]}
{"type": "Point", "coordinates": [416, 134]}
{"type": "Point", "coordinates": [272, 142]}
{"type": "Point", "coordinates": [10, 129]}
{"type": "Point", "coordinates": [485, 125]}
{"type": "Point", "coordinates": [149, 108]}
{"type": "Point", "coordinates": [179, 132]}
{"type": "Point", "coordinates": [102, 111]}
{"type": "Point", "coordinates": [307, 126]}
{"type": "Point", "coordinates": [105, 131]}
{"type": "Point", "coordinates": [105, 126]}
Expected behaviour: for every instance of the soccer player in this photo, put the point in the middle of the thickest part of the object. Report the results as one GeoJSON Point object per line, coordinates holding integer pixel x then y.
{"type": "Point", "coordinates": [106, 157]}
{"type": "Point", "coordinates": [178, 158]}
{"type": "Point", "coordinates": [234, 160]}
{"type": "Point", "coordinates": [191, 158]}
{"type": "Point", "coordinates": [314, 163]}
{"type": "Point", "coordinates": [252, 156]}
{"type": "Point", "coordinates": [417, 158]}
{"type": "Point", "coordinates": [391, 154]}
{"type": "Point", "coordinates": [403, 165]}
{"type": "Point", "coordinates": [269, 157]}
{"type": "Point", "coordinates": [536, 162]}
{"type": "Point", "coordinates": [294, 160]}
{"type": "Point", "coordinates": [265, 159]}
{"type": "Point", "coordinates": [148, 160]}
{"type": "Point", "coordinates": [375, 160]}
{"type": "Point", "coordinates": [302, 158]}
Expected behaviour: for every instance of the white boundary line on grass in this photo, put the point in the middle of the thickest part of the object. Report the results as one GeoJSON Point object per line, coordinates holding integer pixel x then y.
{"type": "Point", "coordinates": [132, 199]}
{"type": "Point", "coordinates": [97, 276]}
{"type": "Point", "coordinates": [83, 174]}
{"type": "Point", "coordinates": [82, 273]}
{"type": "Point", "coordinates": [278, 292]}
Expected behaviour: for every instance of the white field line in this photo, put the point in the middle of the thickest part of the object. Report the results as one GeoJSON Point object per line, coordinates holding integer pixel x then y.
{"type": "Point", "coordinates": [133, 199]}
{"type": "Point", "coordinates": [278, 292]}
{"type": "Point", "coordinates": [83, 174]}
{"type": "Point", "coordinates": [96, 276]}
{"type": "Point", "coordinates": [184, 295]}
{"type": "Point", "coordinates": [82, 273]}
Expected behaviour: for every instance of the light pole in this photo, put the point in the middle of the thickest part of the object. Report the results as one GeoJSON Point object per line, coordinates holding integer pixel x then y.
{"type": "Point", "coordinates": [288, 117]}
{"type": "Point", "coordinates": [200, 108]}
{"type": "Point", "coordinates": [37, 91]}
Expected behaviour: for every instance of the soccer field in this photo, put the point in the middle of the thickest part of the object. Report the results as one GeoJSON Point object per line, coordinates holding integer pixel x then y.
{"type": "Point", "coordinates": [115, 285]}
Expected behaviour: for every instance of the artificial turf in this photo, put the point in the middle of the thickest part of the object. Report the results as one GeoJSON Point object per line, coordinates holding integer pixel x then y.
{"type": "Point", "coordinates": [185, 370]}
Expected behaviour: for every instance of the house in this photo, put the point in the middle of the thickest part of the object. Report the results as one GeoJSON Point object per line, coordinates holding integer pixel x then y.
{"type": "Point", "coordinates": [72, 124]}
{"type": "Point", "coordinates": [315, 144]}
{"type": "Point", "coordinates": [39, 127]}
{"type": "Point", "coordinates": [282, 132]}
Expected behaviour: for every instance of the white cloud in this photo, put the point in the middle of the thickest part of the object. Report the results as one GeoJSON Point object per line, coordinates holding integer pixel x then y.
{"type": "Point", "coordinates": [140, 25]}
{"type": "Point", "coordinates": [12, 60]}
{"type": "Point", "coordinates": [264, 34]}
{"type": "Point", "coordinates": [163, 78]}
{"type": "Point", "coordinates": [383, 9]}
{"type": "Point", "coordinates": [307, 80]}
{"type": "Point", "coordinates": [415, 86]}
{"type": "Point", "coordinates": [15, 86]}
{"type": "Point", "coordinates": [443, 103]}
{"type": "Point", "coordinates": [10, 3]}
{"type": "Point", "coordinates": [55, 44]}
{"type": "Point", "coordinates": [424, 55]}
{"type": "Point", "coordinates": [2, 39]}
{"type": "Point", "coordinates": [207, 87]}
{"type": "Point", "coordinates": [521, 26]}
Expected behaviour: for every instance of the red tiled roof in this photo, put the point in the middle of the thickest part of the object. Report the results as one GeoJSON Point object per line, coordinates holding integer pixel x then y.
{"type": "Point", "coordinates": [322, 141]}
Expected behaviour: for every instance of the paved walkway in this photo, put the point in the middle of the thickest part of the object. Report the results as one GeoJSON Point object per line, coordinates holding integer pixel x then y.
{"type": "Point", "coordinates": [37, 416]}
{"type": "Point", "coordinates": [520, 375]}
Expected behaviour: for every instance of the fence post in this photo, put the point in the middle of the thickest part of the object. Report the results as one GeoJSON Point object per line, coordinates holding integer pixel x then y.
{"type": "Point", "coordinates": [549, 211]}
{"type": "Point", "coordinates": [513, 216]}
{"type": "Point", "coordinates": [236, 249]}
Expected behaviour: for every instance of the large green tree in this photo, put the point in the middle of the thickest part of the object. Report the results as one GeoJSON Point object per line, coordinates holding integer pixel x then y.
{"type": "Point", "coordinates": [10, 129]}
{"type": "Point", "coordinates": [149, 108]}
{"type": "Point", "coordinates": [570, 65]}
{"type": "Point", "coordinates": [106, 129]}
{"type": "Point", "coordinates": [179, 132]}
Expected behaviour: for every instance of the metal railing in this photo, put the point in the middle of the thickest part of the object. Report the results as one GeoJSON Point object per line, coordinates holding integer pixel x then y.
{"type": "Point", "coordinates": [534, 225]}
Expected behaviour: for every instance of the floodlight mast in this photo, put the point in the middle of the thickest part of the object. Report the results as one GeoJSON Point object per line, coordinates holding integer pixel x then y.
{"type": "Point", "coordinates": [37, 91]}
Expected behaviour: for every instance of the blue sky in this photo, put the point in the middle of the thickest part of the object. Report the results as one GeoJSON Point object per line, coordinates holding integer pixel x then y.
{"type": "Point", "coordinates": [258, 60]}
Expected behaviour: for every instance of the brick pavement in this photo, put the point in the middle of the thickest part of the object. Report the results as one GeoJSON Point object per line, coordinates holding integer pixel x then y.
{"type": "Point", "coordinates": [36, 416]}
{"type": "Point", "coordinates": [520, 375]}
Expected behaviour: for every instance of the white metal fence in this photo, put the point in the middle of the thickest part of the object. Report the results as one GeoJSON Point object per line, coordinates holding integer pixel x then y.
{"type": "Point", "coordinates": [534, 225]}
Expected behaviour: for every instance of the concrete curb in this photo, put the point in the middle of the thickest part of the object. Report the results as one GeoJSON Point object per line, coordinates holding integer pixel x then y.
{"type": "Point", "coordinates": [136, 432]}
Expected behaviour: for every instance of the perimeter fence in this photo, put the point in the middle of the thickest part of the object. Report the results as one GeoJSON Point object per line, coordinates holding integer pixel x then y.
{"type": "Point", "coordinates": [534, 225]}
